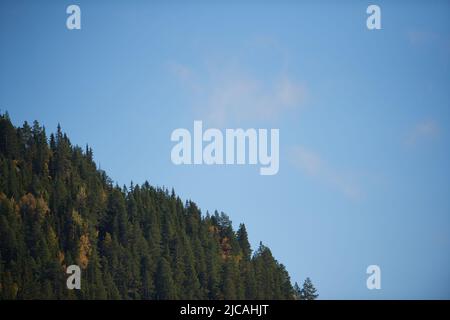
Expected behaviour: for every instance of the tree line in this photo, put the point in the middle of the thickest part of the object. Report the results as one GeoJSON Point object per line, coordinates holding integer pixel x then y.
{"type": "Point", "coordinates": [57, 208]}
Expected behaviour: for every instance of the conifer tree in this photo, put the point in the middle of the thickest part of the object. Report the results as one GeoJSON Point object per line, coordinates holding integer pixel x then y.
{"type": "Point", "coordinates": [244, 244]}
{"type": "Point", "coordinates": [165, 286]}
{"type": "Point", "coordinates": [308, 291]}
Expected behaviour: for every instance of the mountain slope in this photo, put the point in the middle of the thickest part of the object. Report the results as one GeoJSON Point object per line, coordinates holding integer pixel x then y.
{"type": "Point", "coordinates": [57, 209]}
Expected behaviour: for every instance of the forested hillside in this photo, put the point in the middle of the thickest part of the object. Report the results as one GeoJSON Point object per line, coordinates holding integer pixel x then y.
{"type": "Point", "coordinates": [138, 242]}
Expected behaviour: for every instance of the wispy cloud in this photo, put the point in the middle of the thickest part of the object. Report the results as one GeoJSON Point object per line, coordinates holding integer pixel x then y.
{"type": "Point", "coordinates": [227, 93]}
{"type": "Point", "coordinates": [440, 41]}
{"type": "Point", "coordinates": [185, 75]}
{"type": "Point", "coordinates": [422, 132]}
{"type": "Point", "coordinates": [422, 37]}
{"type": "Point", "coordinates": [313, 165]}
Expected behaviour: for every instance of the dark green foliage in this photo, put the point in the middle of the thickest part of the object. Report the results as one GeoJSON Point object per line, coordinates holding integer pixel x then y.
{"type": "Point", "coordinates": [308, 291]}
{"type": "Point", "coordinates": [141, 242]}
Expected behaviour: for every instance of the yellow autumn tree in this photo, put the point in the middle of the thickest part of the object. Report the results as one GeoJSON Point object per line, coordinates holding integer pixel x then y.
{"type": "Point", "coordinates": [84, 251]}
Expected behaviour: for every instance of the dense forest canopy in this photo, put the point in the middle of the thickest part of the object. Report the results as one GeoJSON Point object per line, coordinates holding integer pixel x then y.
{"type": "Point", "coordinates": [138, 242]}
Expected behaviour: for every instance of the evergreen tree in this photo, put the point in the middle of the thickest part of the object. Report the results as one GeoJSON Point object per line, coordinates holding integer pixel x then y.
{"type": "Point", "coordinates": [244, 244]}
{"type": "Point", "coordinates": [165, 286]}
{"type": "Point", "coordinates": [297, 292]}
{"type": "Point", "coordinates": [308, 291]}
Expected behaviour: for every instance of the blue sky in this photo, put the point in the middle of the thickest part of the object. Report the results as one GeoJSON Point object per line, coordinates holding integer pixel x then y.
{"type": "Point", "coordinates": [363, 116]}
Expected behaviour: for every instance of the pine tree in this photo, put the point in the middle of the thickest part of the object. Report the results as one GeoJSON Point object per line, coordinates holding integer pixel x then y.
{"type": "Point", "coordinates": [244, 244]}
{"type": "Point", "coordinates": [164, 282]}
{"type": "Point", "coordinates": [297, 292]}
{"type": "Point", "coordinates": [308, 291]}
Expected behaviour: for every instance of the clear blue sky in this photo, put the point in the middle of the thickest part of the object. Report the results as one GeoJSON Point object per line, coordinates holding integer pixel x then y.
{"type": "Point", "coordinates": [363, 116]}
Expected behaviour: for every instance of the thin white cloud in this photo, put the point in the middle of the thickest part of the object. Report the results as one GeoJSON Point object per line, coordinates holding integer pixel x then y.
{"type": "Point", "coordinates": [422, 37]}
{"type": "Point", "coordinates": [422, 132]}
{"type": "Point", "coordinates": [440, 41]}
{"type": "Point", "coordinates": [312, 164]}
{"type": "Point", "coordinates": [224, 94]}
{"type": "Point", "coordinates": [185, 75]}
